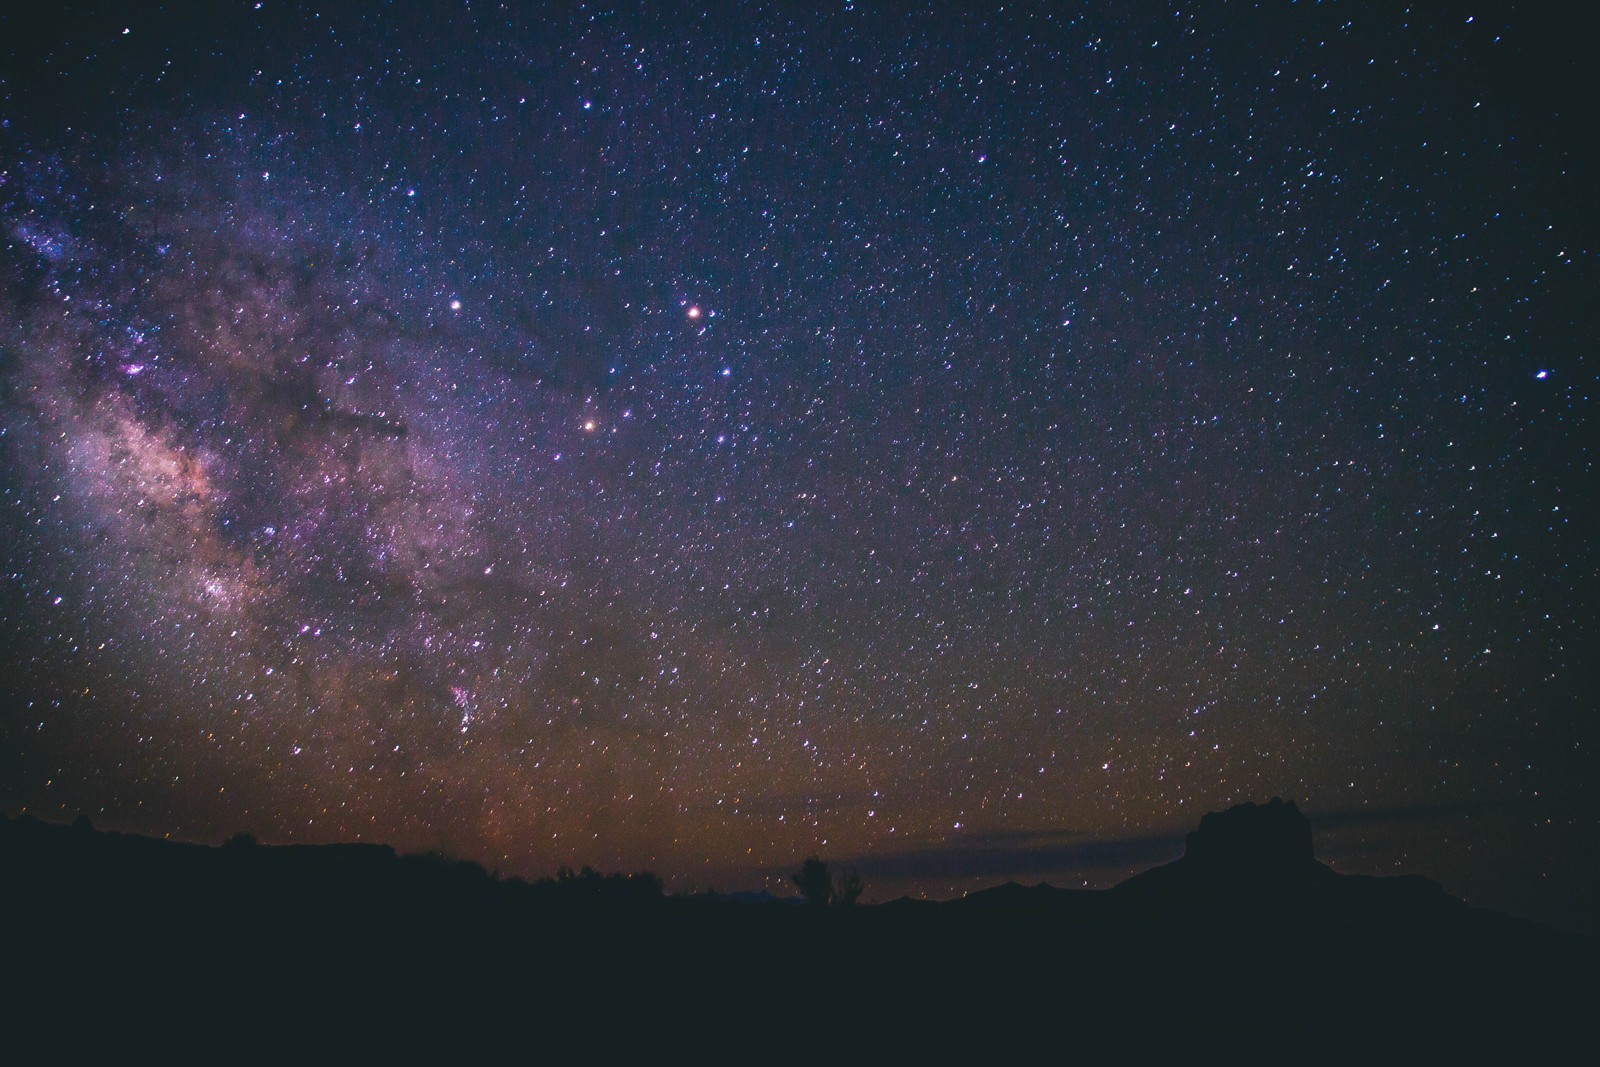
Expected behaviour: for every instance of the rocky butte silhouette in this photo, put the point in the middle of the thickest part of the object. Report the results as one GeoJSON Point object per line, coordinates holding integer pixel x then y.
{"type": "Point", "coordinates": [1252, 839]}
{"type": "Point", "coordinates": [1246, 853]}
{"type": "Point", "coordinates": [1250, 870]}
{"type": "Point", "coordinates": [1245, 941]}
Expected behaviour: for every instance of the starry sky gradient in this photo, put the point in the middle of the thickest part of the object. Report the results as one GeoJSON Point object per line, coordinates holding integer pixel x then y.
{"type": "Point", "coordinates": [971, 443]}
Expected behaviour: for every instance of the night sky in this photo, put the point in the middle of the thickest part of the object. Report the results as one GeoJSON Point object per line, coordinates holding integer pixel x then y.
{"type": "Point", "coordinates": [965, 442]}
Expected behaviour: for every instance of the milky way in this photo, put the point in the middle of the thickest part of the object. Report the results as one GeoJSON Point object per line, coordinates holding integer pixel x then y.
{"type": "Point", "coordinates": [965, 445]}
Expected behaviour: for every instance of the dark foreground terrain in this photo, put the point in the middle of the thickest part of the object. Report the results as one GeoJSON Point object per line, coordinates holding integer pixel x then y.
{"type": "Point", "coordinates": [1245, 945]}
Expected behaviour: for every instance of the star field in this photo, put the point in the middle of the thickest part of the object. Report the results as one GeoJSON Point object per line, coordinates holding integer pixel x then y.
{"type": "Point", "coordinates": [967, 442]}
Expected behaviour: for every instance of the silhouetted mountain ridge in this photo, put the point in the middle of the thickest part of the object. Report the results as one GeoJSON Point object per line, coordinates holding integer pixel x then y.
{"type": "Point", "coordinates": [1247, 907]}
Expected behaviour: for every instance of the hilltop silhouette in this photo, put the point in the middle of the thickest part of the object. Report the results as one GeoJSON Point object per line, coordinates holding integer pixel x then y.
{"type": "Point", "coordinates": [1247, 935]}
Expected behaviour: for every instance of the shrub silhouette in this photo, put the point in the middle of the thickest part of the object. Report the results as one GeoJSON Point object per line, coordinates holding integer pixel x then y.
{"type": "Point", "coordinates": [848, 891]}
{"type": "Point", "coordinates": [590, 886]}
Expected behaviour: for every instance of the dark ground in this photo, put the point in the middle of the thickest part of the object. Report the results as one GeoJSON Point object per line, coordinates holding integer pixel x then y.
{"type": "Point", "coordinates": [1247, 944]}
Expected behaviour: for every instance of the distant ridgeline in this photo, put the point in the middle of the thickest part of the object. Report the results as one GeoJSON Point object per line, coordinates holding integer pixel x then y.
{"type": "Point", "coordinates": [1246, 933]}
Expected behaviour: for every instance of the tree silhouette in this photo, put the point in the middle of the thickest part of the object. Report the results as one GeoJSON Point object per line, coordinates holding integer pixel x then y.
{"type": "Point", "coordinates": [815, 883]}
{"type": "Point", "coordinates": [817, 886]}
